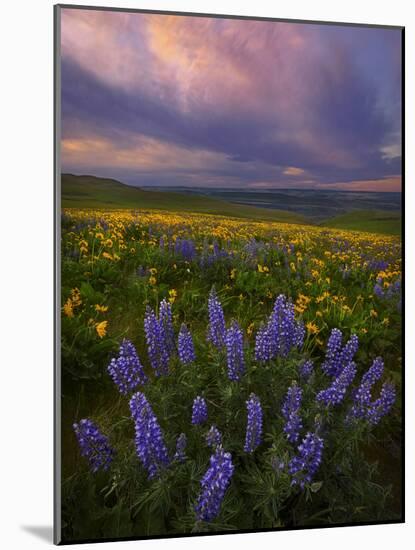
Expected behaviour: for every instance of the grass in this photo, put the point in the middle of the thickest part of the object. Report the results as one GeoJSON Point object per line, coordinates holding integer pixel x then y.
{"type": "Point", "coordinates": [373, 221]}
{"type": "Point", "coordinates": [94, 192]}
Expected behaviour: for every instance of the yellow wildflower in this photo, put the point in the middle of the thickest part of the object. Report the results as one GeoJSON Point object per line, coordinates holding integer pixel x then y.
{"type": "Point", "coordinates": [312, 328]}
{"type": "Point", "coordinates": [68, 308]}
{"type": "Point", "coordinates": [101, 309]}
{"type": "Point", "coordinates": [152, 280]}
{"type": "Point", "coordinates": [101, 328]}
{"type": "Point", "coordinates": [172, 295]}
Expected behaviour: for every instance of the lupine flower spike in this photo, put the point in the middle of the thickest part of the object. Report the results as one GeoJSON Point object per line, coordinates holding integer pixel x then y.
{"type": "Point", "coordinates": [253, 435]}
{"type": "Point", "coordinates": [291, 413]}
{"type": "Point", "coordinates": [216, 329]}
{"type": "Point", "coordinates": [93, 444]}
{"type": "Point", "coordinates": [185, 346]}
{"type": "Point", "coordinates": [126, 370]}
{"type": "Point", "coordinates": [234, 342]}
{"type": "Point", "coordinates": [199, 411]}
{"type": "Point", "coordinates": [214, 484]}
{"type": "Point", "coordinates": [149, 441]}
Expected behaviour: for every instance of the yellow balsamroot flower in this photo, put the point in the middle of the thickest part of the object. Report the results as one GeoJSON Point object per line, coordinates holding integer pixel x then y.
{"type": "Point", "coordinates": [152, 280]}
{"type": "Point", "coordinates": [250, 329]}
{"type": "Point", "coordinates": [68, 308]}
{"type": "Point", "coordinates": [109, 243]}
{"type": "Point", "coordinates": [76, 297]}
{"type": "Point", "coordinates": [172, 295]}
{"type": "Point", "coordinates": [373, 313]}
{"type": "Point", "coordinates": [233, 273]}
{"type": "Point", "coordinates": [153, 270]}
{"type": "Point", "coordinates": [292, 266]}
{"type": "Point", "coordinates": [99, 236]}
{"type": "Point", "coordinates": [101, 309]}
{"type": "Point", "coordinates": [132, 250]}
{"type": "Point", "coordinates": [312, 328]}
{"type": "Point", "coordinates": [385, 322]}
{"type": "Point", "coordinates": [107, 256]}
{"type": "Point", "coordinates": [319, 314]}
{"type": "Point", "coordinates": [101, 328]}
{"type": "Point", "coordinates": [263, 268]}
{"type": "Point", "coordinates": [363, 330]}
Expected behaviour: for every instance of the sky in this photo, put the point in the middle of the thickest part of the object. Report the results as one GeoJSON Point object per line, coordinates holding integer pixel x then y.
{"type": "Point", "coordinates": [210, 102]}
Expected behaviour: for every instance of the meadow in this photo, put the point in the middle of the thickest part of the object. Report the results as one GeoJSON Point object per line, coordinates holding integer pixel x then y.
{"type": "Point", "coordinates": [223, 373]}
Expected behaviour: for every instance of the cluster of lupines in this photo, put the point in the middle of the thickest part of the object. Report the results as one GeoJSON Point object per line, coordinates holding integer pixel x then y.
{"type": "Point", "coordinates": [363, 395]}
{"type": "Point", "coordinates": [291, 412]}
{"type": "Point", "coordinates": [305, 464]}
{"type": "Point", "coordinates": [214, 484]}
{"type": "Point", "coordinates": [217, 328]}
{"type": "Point", "coordinates": [335, 393]}
{"type": "Point", "coordinates": [253, 436]}
{"type": "Point", "coordinates": [234, 342]}
{"type": "Point", "coordinates": [186, 248]}
{"type": "Point", "coordinates": [149, 441]}
{"type": "Point", "coordinates": [157, 343]}
{"type": "Point", "coordinates": [213, 437]}
{"type": "Point", "coordinates": [180, 454]}
{"type": "Point", "coordinates": [186, 348]}
{"type": "Point", "coordinates": [281, 333]}
{"type": "Point", "coordinates": [199, 411]}
{"type": "Point", "coordinates": [126, 370]}
{"type": "Point", "coordinates": [337, 355]}
{"type": "Point", "coordinates": [382, 406]}
{"type": "Point", "coordinates": [93, 444]}
{"type": "Point", "coordinates": [393, 290]}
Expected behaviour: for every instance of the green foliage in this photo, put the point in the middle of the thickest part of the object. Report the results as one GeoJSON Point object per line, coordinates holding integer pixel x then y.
{"type": "Point", "coordinates": [358, 479]}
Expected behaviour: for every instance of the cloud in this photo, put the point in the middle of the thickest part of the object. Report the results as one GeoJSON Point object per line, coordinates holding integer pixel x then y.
{"type": "Point", "coordinates": [268, 101]}
{"type": "Point", "coordinates": [293, 171]}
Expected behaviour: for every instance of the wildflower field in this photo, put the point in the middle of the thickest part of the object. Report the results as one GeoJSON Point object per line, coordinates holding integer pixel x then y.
{"type": "Point", "coordinates": [221, 374]}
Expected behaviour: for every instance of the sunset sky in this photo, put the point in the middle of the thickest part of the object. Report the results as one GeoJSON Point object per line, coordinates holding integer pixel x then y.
{"type": "Point", "coordinates": [172, 100]}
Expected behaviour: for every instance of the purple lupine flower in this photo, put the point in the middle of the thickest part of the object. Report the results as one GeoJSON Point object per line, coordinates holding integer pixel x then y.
{"type": "Point", "coordinates": [307, 369]}
{"type": "Point", "coordinates": [181, 443]}
{"type": "Point", "coordinates": [382, 406]}
{"type": "Point", "coordinates": [214, 484]}
{"type": "Point", "coordinates": [185, 346]}
{"type": "Point", "coordinates": [338, 357]}
{"type": "Point", "coordinates": [253, 436]}
{"type": "Point", "coordinates": [263, 348]}
{"type": "Point", "coordinates": [378, 290]}
{"type": "Point", "coordinates": [363, 395]}
{"type": "Point", "coordinates": [166, 323]}
{"type": "Point", "coordinates": [334, 394]}
{"type": "Point", "coordinates": [333, 349]}
{"type": "Point", "coordinates": [93, 444]}
{"type": "Point", "coordinates": [213, 437]}
{"type": "Point", "coordinates": [291, 412]}
{"type": "Point", "coordinates": [281, 333]}
{"type": "Point", "coordinates": [149, 441]}
{"type": "Point", "coordinates": [304, 465]}
{"type": "Point", "coordinates": [199, 411]}
{"type": "Point", "coordinates": [217, 329]}
{"type": "Point", "coordinates": [234, 342]}
{"type": "Point", "coordinates": [156, 345]}
{"type": "Point", "coordinates": [186, 248]}
{"type": "Point", "coordinates": [126, 370]}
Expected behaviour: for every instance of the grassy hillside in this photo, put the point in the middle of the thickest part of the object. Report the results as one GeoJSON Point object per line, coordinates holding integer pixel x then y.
{"type": "Point", "coordinates": [375, 221]}
{"type": "Point", "coordinates": [93, 192]}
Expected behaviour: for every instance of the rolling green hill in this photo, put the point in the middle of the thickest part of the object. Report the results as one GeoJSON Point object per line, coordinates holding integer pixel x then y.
{"type": "Point", "coordinates": [94, 192]}
{"type": "Point", "coordinates": [373, 221]}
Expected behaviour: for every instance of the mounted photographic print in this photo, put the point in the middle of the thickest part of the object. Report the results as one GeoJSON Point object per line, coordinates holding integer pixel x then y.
{"type": "Point", "coordinates": [229, 341]}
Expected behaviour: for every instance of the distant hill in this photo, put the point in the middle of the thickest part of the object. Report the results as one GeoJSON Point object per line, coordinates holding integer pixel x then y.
{"type": "Point", "coordinates": [94, 192]}
{"type": "Point", "coordinates": [374, 221]}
